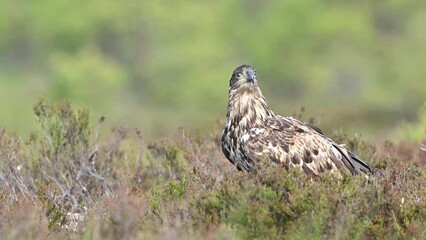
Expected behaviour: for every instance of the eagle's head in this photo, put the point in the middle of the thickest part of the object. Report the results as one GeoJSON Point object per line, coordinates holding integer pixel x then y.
{"type": "Point", "coordinates": [246, 104]}
{"type": "Point", "coordinates": [243, 76]}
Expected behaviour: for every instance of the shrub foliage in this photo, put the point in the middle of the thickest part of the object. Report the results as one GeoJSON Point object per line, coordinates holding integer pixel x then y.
{"type": "Point", "coordinates": [67, 181]}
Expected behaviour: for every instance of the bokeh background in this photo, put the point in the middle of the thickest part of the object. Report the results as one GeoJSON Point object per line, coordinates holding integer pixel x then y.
{"type": "Point", "coordinates": [358, 66]}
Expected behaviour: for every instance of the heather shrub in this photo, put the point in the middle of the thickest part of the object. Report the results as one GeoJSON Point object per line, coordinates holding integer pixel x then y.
{"type": "Point", "coordinates": [68, 180]}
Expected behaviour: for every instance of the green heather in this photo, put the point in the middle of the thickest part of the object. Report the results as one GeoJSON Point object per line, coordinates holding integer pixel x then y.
{"type": "Point", "coordinates": [66, 181]}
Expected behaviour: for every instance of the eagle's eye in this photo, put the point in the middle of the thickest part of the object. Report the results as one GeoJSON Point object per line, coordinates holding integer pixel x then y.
{"type": "Point", "coordinates": [238, 75]}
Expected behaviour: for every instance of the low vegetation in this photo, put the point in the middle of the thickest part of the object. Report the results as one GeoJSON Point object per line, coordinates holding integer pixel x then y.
{"type": "Point", "coordinates": [67, 181]}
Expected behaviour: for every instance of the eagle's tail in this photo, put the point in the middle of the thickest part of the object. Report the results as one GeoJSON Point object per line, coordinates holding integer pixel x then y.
{"type": "Point", "coordinates": [359, 164]}
{"type": "Point", "coordinates": [354, 163]}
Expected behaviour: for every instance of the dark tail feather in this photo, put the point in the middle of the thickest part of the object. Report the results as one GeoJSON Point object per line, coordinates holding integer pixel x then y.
{"type": "Point", "coordinates": [359, 164]}
{"type": "Point", "coordinates": [352, 162]}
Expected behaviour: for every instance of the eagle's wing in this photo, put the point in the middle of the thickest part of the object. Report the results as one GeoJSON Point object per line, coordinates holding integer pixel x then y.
{"type": "Point", "coordinates": [296, 144]}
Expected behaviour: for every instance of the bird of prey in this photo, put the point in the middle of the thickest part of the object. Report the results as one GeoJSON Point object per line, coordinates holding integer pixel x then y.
{"type": "Point", "coordinates": [254, 134]}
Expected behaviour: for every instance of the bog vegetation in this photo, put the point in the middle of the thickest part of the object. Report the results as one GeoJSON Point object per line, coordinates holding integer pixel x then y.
{"type": "Point", "coordinates": [67, 181]}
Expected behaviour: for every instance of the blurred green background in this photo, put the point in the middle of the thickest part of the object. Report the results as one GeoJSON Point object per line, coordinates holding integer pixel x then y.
{"type": "Point", "coordinates": [359, 66]}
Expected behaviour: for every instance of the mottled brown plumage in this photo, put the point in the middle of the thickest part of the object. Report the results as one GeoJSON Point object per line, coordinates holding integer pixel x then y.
{"type": "Point", "coordinates": [254, 134]}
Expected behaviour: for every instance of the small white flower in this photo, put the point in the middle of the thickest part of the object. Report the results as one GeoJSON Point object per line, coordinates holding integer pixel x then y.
{"type": "Point", "coordinates": [417, 199]}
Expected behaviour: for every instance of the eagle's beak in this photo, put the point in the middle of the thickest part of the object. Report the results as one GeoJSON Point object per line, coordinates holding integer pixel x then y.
{"type": "Point", "coordinates": [250, 76]}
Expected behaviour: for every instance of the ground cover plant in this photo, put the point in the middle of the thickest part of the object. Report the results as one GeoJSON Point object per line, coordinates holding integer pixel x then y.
{"type": "Point", "coordinates": [66, 180]}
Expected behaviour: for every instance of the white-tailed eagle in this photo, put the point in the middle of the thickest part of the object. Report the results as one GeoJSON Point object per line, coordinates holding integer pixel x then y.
{"type": "Point", "coordinates": [255, 134]}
